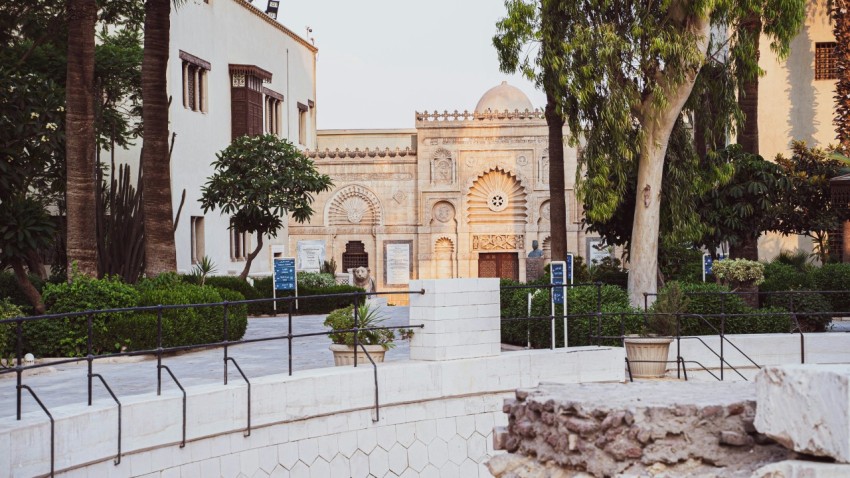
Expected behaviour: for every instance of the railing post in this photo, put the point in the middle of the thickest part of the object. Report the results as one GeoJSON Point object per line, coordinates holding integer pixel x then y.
{"type": "Point", "coordinates": [289, 338]}
{"type": "Point", "coordinates": [598, 311]}
{"type": "Point", "coordinates": [159, 350]}
{"type": "Point", "coordinates": [722, 332]}
{"type": "Point", "coordinates": [226, 340]}
{"type": "Point", "coordinates": [356, 310]}
{"type": "Point", "coordinates": [19, 357]}
{"type": "Point", "coordinates": [89, 356]}
{"type": "Point", "coordinates": [678, 343]}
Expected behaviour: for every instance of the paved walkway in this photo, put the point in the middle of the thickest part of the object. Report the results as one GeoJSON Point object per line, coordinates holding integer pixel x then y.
{"type": "Point", "coordinates": [67, 383]}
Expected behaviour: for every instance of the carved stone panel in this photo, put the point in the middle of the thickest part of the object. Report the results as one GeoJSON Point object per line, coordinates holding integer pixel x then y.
{"type": "Point", "coordinates": [442, 168]}
{"type": "Point", "coordinates": [543, 168]}
{"type": "Point", "coordinates": [498, 242]}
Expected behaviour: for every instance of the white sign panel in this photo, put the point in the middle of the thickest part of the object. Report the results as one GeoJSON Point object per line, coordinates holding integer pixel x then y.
{"type": "Point", "coordinates": [398, 263]}
{"type": "Point", "coordinates": [311, 255]}
{"type": "Point", "coordinates": [597, 250]}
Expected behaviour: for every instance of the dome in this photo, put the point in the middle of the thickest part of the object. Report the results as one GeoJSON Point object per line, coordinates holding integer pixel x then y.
{"type": "Point", "coordinates": [504, 97]}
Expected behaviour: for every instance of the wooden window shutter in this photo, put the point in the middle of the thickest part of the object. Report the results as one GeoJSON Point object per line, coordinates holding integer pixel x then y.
{"type": "Point", "coordinates": [246, 99]}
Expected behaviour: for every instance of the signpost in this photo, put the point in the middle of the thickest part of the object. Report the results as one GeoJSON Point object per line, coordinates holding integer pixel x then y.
{"type": "Point", "coordinates": [708, 263]}
{"type": "Point", "coordinates": [562, 271]}
{"type": "Point", "coordinates": [285, 277]}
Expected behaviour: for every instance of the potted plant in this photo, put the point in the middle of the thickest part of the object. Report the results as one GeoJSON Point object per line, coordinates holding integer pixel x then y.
{"type": "Point", "coordinates": [376, 342]}
{"type": "Point", "coordinates": [648, 352]}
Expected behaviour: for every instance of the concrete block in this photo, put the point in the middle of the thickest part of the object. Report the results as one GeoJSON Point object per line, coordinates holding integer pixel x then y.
{"type": "Point", "coordinates": [806, 408]}
{"type": "Point", "coordinates": [802, 469]}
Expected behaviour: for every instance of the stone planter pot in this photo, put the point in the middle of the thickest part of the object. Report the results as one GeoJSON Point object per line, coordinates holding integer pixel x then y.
{"type": "Point", "coordinates": [344, 354]}
{"type": "Point", "coordinates": [647, 356]}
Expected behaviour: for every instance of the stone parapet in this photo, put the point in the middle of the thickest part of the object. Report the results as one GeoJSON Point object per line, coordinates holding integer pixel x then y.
{"type": "Point", "coordinates": [806, 408]}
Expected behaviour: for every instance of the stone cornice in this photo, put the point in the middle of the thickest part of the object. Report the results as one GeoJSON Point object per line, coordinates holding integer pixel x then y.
{"type": "Point", "coordinates": [358, 153]}
{"type": "Point", "coordinates": [469, 116]}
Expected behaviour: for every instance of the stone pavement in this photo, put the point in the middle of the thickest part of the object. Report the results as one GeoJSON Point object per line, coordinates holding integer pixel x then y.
{"type": "Point", "coordinates": [65, 384]}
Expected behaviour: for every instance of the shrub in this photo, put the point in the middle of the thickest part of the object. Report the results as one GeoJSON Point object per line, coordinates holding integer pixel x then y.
{"type": "Point", "coordinates": [834, 277]}
{"type": "Point", "coordinates": [779, 276]}
{"type": "Point", "coordinates": [180, 326]}
{"type": "Point", "coordinates": [8, 310]}
{"type": "Point", "coordinates": [809, 308]}
{"type": "Point", "coordinates": [315, 280]}
{"type": "Point", "coordinates": [67, 337]}
{"type": "Point", "coordinates": [11, 290]}
{"type": "Point", "coordinates": [247, 291]}
{"type": "Point", "coordinates": [580, 300]}
{"type": "Point", "coordinates": [305, 304]}
{"type": "Point", "coordinates": [738, 271]}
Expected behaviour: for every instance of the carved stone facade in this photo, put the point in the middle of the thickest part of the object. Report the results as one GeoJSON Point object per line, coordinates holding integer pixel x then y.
{"type": "Point", "coordinates": [464, 188]}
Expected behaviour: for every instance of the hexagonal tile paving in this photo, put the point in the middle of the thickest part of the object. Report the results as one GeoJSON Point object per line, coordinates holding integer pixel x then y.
{"type": "Point", "coordinates": [417, 456]}
{"type": "Point", "coordinates": [450, 470]}
{"type": "Point", "coordinates": [405, 434]}
{"type": "Point", "coordinates": [457, 450]}
{"type": "Point", "coordinates": [476, 448]}
{"type": "Point", "coordinates": [320, 469]}
{"type": "Point", "coordinates": [339, 466]}
{"type": "Point", "coordinates": [398, 459]}
{"type": "Point", "coordinates": [465, 426]}
{"type": "Point", "coordinates": [300, 470]}
{"type": "Point", "coordinates": [426, 431]}
{"type": "Point", "coordinates": [446, 428]}
{"type": "Point", "coordinates": [469, 469]}
{"type": "Point", "coordinates": [379, 463]}
{"type": "Point", "coordinates": [484, 423]}
{"type": "Point", "coordinates": [386, 437]}
{"type": "Point", "coordinates": [359, 465]}
{"type": "Point", "coordinates": [430, 471]}
{"type": "Point", "coordinates": [287, 454]}
{"type": "Point", "coordinates": [308, 450]}
{"type": "Point", "coordinates": [438, 452]}
{"type": "Point", "coordinates": [347, 443]}
{"type": "Point", "coordinates": [367, 440]}
{"type": "Point", "coordinates": [328, 447]}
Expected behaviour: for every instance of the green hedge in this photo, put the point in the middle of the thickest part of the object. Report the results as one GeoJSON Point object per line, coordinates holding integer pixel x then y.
{"type": "Point", "coordinates": [834, 277]}
{"type": "Point", "coordinates": [130, 331]}
{"type": "Point", "coordinates": [581, 300]}
{"type": "Point", "coordinates": [306, 305]}
{"type": "Point", "coordinates": [242, 287]}
{"type": "Point", "coordinates": [8, 310]}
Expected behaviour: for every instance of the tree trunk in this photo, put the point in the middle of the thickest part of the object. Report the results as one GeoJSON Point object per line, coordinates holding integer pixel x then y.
{"type": "Point", "coordinates": [80, 137]}
{"type": "Point", "coordinates": [251, 256]}
{"type": "Point", "coordinates": [841, 30]}
{"type": "Point", "coordinates": [748, 249]}
{"type": "Point", "coordinates": [160, 253]}
{"type": "Point", "coordinates": [27, 288]}
{"type": "Point", "coordinates": [657, 126]}
{"type": "Point", "coordinates": [748, 94]}
{"type": "Point", "coordinates": [557, 197]}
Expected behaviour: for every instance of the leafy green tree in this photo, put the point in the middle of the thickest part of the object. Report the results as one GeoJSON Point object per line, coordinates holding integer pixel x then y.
{"type": "Point", "coordinates": [627, 71]}
{"type": "Point", "coordinates": [258, 181]}
{"type": "Point", "coordinates": [839, 12]}
{"type": "Point", "coordinates": [739, 211]}
{"type": "Point", "coordinates": [807, 208]}
{"type": "Point", "coordinates": [528, 24]}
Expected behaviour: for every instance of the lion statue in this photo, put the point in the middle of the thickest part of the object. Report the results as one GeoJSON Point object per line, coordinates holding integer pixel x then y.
{"type": "Point", "coordinates": [363, 280]}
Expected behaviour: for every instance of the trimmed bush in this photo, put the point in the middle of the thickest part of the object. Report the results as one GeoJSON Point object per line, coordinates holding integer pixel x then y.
{"type": "Point", "coordinates": [67, 337]}
{"type": "Point", "coordinates": [810, 309]}
{"type": "Point", "coordinates": [781, 277]}
{"type": "Point", "coordinates": [305, 304]}
{"type": "Point", "coordinates": [834, 277]}
{"type": "Point", "coordinates": [8, 310]}
{"type": "Point", "coordinates": [580, 300]}
{"type": "Point", "coordinates": [236, 284]}
{"type": "Point", "coordinates": [315, 280]}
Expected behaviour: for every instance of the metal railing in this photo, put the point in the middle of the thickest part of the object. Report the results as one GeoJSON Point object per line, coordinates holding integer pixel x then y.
{"type": "Point", "coordinates": [356, 299]}
{"type": "Point", "coordinates": [716, 323]}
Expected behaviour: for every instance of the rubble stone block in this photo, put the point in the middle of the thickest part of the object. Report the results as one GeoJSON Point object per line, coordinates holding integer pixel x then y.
{"type": "Point", "coordinates": [806, 408]}
{"type": "Point", "coordinates": [803, 469]}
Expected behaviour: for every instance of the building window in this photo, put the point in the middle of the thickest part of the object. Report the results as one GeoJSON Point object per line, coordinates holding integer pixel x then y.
{"type": "Point", "coordinates": [240, 244]}
{"type": "Point", "coordinates": [196, 236]}
{"type": "Point", "coordinates": [194, 82]}
{"type": "Point", "coordinates": [355, 256]}
{"type": "Point", "coordinates": [302, 123]}
{"type": "Point", "coordinates": [246, 100]}
{"type": "Point", "coordinates": [825, 61]}
{"type": "Point", "coordinates": [273, 107]}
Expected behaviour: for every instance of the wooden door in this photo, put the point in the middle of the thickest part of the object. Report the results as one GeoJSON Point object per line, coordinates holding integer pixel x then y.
{"type": "Point", "coordinates": [498, 264]}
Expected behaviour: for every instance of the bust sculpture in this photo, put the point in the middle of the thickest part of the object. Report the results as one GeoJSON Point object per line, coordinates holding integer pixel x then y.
{"type": "Point", "coordinates": [363, 280]}
{"type": "Point", "coordinates": [535, 252]}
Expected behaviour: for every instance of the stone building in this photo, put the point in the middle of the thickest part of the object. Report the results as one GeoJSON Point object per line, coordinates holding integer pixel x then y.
{"type": "Point", "coordinates": [463, 194]}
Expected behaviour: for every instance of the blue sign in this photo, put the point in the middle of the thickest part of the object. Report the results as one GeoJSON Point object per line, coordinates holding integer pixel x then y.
{"type": "Point", "coordinates": [570, 268]}
{"type": "Point", "coordinates": [708, 263]}
{"type": "Point", "coordinates": [284, 273]}
{"type": "Point", "coordinates": [558, 279]}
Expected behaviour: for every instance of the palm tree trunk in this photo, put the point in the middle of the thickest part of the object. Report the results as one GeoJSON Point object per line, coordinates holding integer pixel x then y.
{"type": "Point", "coordinates": [841, 29]}
{"type": "Point", "coordinates": [557, 196]}
{"type": "Point", "coordinates": [160, 253]}
{"type": "Point", "coordinates": [748, 93]}
{"type": "Point", "coordinates": [80, 137]}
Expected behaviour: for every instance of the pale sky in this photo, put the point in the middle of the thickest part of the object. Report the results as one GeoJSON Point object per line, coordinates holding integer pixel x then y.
{"type": "Point", "coordinates": [381, 60]}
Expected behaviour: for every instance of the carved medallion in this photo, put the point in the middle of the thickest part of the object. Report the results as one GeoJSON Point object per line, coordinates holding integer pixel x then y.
{"type": "Point", "coordinates": [498, 201]}
{"type": "Point", "coordinates": [522, 160]}
{"type": "Point", "coordinates": [444, 212]}
{"type": "Point", "coordinates": [497, 242]}
{"type": "Point", "coordinates": [355, 208]}
{"type": "Point", "coordinates": [399, 196]}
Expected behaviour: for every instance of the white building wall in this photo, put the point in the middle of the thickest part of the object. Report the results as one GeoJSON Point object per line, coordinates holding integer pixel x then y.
{"type": "Point", "coordinates": [224, 32]}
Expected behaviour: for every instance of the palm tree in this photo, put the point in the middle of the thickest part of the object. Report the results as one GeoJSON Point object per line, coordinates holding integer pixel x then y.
{"type": "Point", "coordinates": [841, 28]}
{"type": "Point", "coordinates": [160, 253]}
{"type": "Point", "coordinates": [80, 137]}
